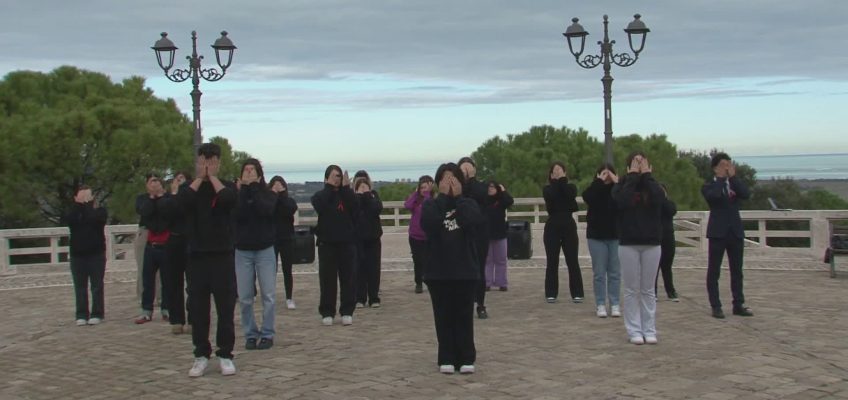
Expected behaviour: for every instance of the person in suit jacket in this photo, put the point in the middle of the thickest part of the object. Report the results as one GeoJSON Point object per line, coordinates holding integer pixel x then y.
{"type": "Point", "coordinates": [725, 233]}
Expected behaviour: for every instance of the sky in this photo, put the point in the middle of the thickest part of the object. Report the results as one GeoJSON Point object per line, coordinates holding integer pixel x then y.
{"type": "Point", "coordinates": [402, 82]}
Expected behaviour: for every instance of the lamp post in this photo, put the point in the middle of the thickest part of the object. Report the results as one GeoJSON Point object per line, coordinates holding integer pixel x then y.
{"type": "Point", "coordinates": [165, 51]}
{"type": "Point", "coordinates": [635, 28]}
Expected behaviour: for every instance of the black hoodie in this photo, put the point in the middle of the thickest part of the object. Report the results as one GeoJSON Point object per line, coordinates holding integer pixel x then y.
{"type": "Point", "coordinates": [561, 202]}
{"type": "Point", "coordinates": [450, 224]}
{"type": "Point", "coordinates": [284, 217]}
{"type": "Point", "coordinates": [368, 225]}
{"type": "Point", "coordinates": [153, 216]}
{"type": "Point", "coordinates": [86, 224]}
{"type": "Point", "coordinates": [602, 211]}
{"type": "Point", "coordinates": [336, 210]}
{"type": "Point", "coordinates": [254, 217]}
{"type": "Point", "coordinates": [639, 199]}
{"type": "Point", "coordinates": [496, 214]}
{"type": "Point", "coordinates": [209, 216]}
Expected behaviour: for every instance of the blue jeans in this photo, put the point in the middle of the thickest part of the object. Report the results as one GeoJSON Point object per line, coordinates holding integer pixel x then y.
{"type": "Point", "coordinates": [250, 266]}
{"type": "Point", "coordinates": [606, 269]}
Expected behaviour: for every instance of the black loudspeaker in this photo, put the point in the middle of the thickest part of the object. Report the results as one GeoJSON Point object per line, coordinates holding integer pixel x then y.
{"type": "Point", "coordinates": [304, 245]}
{"type": "Point", "coordinates": [518, 240]}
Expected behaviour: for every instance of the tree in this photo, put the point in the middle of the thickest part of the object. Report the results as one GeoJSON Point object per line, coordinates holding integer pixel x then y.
{"type": "Point", "coordinates": [397, 191]}
{"type": "Point", "coordinates": [70, 127]}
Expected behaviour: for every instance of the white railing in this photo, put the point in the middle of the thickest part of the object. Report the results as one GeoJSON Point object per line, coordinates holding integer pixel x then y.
{"type": "Point", "coordinates": [690, 231]}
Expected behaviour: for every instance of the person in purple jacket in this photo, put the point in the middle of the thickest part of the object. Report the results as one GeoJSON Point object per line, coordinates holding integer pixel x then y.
{"type": "Point", "coordinates": [417, 237]}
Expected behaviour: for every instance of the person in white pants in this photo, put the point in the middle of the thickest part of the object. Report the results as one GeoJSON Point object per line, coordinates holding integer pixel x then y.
{"type": "Point", "coordinates": [639, 200]}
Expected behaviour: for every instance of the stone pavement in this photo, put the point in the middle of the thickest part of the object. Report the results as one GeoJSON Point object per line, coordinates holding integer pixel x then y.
{"type": "Point", "coordinates": [795, 347]}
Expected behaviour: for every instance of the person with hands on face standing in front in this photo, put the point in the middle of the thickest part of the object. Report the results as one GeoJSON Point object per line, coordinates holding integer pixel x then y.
{"type": "Point", "coordinates": [561, 232]}
{"type": "Point", "coordinates": [602, 238]}
{"type": "Point", "coordinates": [497, 202]}
{"type": "Point", "coordinates": [477, 191]}
{"type": "Point", "coordinates": [336, 207]}
{"type": "Point", "coordinates": [208, 203]}
{"type": "Point", "coordinates": [255, 259]}
{"type": "Point", "coordinates": [155, 217]}
{"type": "Point", "coordinates": [87, 252]}
{"type": "Point", "coordinates": [451, 221]}
{"type": "Point", "coordinates": [417, 237]}
{"type": "Point", "coordinates": [369, 230]}
{"type": "Point", "coordinates": [284, 212]}
{"type": "Point", "coordinates": [639, 199]}
{"type": "Point", "coordinates": [725, 232]}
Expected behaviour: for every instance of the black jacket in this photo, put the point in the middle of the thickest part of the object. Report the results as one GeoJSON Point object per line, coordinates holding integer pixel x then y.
{"type": "Point", "coordinates": [368, 225]}
{"type": "Point", "coordinates": [725, 221]}
{"type": "Point", "coordinates": [336, 210]}
{"type": "Point", "coordinates": [639, 199]}
{"type": "Point", "coordinates": [496, 214]}
{"type": "Point", "coordinates": [153, 216]}
{"type": "Point", "coordinates": [86, 224]}
{"type": "Point", "coordinates": [602, 212]}
{"type": "Point", "coordinates": [209, 216]}
{"type": "Point", "coordinates": [174, 215]}
{"type": "Point", "coordinates": [560, 201]}
{"type": "Point", "coordinates": [450, 224]}
{"type": "Point", "coordinates": [284, 217]}
{"type": "Point", "coordinates": [479, 192]}
{"type": "Point", "coordinates": [254, 217]}
{"type": "Point", "coordinates": [669, 210]}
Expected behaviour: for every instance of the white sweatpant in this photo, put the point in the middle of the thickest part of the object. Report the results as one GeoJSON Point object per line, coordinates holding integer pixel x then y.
{"type": "Point", "coordinates": [639, 266]}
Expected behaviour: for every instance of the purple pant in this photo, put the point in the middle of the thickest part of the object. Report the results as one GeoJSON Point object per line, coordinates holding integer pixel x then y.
{"type": "Point", "coordinates": [496, 264]}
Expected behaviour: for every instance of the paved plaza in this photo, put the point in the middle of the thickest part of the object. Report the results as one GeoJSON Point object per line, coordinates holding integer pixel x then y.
{"type": "Point", "coordinates": [794, 348]}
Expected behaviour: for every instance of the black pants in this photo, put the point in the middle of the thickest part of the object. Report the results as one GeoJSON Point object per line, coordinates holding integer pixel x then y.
{"type": "Point", "coordinates": [734, 248]}
{"type": "Point", "coordinates": [85, 269]}
{"type": "Point", "coordinates": [668, 248]}
{"type": "Point", "coordinates": [453, 313]}
{"type": "Point", "coordinates": [368, 271]}
{"type": "Point", "coordinates": [285, 250]}
{"type": "Point", "coordinates": [176, 256]}
{"type": "Point", "coordinates": [155, 260]}
{"type": "Point", "coordinates": [566, 239]}
{"type": "Point", "coordinates": [419, 258]}
{"type": "Point", "coordinates": [212, 274]}
{"type": "Point", "coordinates": [335, 270]}
{"type": "Point", "coordinates": [482, 247]}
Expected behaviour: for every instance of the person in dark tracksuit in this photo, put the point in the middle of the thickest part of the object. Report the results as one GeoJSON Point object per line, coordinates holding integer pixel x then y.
{"type": "Point", "coordinates": [284, 212]}
{"type": "Point", "coordinates": [209, 203]}
{"type": "Point", "coordinates": [479, 192]}
{"type": "Point", "coordinates": [155, 218]}
{"type": "Point", "coordinates": [176, 256]}
{"type": "Point", "coordinates": [417, 237]}
{"type": "Point", "coordinates": [668, 247]}
{"type": "Point", "coordinates": [336, 206]}
{"type": "Point", "coordinates": [368, 243]}
{"type": "Point", "coordinates": [451, 222]}
{"type": "Point", "coordinates": [86, 221]}
{"type": "Point", "coordinates": [725, 232]}
{"type": "Point", "coordinates": [561, 233]}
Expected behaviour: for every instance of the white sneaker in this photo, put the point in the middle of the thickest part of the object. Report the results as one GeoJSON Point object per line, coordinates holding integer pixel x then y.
{"type": "Point", "coordinates": [466, 369]}
{"type": "Point", "coordinates": [227, 367]}
{"type": "Point", "coordinates": [602, 311]}
{"type": "Point", "coordinates": [375, 305]}
{"type": "Point", "coordinates": [94, 321]}
{"type": "Point", "coordinates": [447, 369]}
{"type": "Point", "coordinates": [82, 322]}
{"type": "Point", "coordinates": [327, 321]}
{"type": "Point", "coordinates": [615, 311]}
{"type": "Point", "coordinates": [637, 340]}
{"type": "Point", "coordinates": [290, 304]}
{"type": "Point", "coordinates": [551, 300]}
{"type": "Point", "coordinates": [577, 299]}
{"type": "Point", "coordinates": [651, 340]}
{"type": "Point", "coordinates": [360, 305]}
{"type": "Point", "coordinates": [347, 320]}
{"type": "Point", "coordinates": [199, 367]}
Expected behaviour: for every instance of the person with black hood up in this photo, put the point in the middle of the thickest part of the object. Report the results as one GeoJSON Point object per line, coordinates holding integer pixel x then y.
{"type": "Point", "coordinates": [602, 239]}
{"type": "Point", "coordinates": [284, 212]}
{"type": "Point", "coordinates": [336, 207]}
{"type": "Point", "coordinates": [451, 221]}
{"type": "Point", "coordinates": [498, 201]}
{"type": "Point", "coordinates": [561, 232]}
{"type": "Point", "coordinates": [254, 256]}
{"type": "Point", "coordinates": [477, 191]}
{"type": "Point", "coordinates": [639, 199]}
{"type": "Point", "coordinates": [208, 203]}
{"type": "Point", "coordinates": [369, 230]}
{"type": "Point", "coordinates": [87, 251]}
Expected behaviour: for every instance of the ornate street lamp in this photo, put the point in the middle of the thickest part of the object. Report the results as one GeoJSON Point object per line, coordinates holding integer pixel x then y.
{"type": "Point", "coordinates": [165, 52]}
{"type": "Point", "coordinates": [636, 32]}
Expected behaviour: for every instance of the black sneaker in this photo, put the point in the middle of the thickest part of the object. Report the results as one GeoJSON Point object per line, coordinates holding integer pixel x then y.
{"type": "Point", "coordinates": [481, 312]}
{"type": "Point", "coordinates": [743, 311]}
{"type": "Point", "coordinates": [250, 344]}
{"type": "Point", "coordinates": [717, 313]}
{"type": "Point", "coordinates": [419, 288]}
{"type": "Point", "coordinates": [673, 297]}
{"type": "Point", "coordinates": [264, 343]}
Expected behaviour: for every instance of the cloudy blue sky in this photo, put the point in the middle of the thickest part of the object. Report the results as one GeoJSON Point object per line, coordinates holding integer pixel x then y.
{"type": "Point", "coordinates": [391, 81]}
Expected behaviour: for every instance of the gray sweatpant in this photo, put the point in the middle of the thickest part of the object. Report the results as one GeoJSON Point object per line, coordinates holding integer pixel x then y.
{"type": "Point", "coordinates": [639, 266]}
